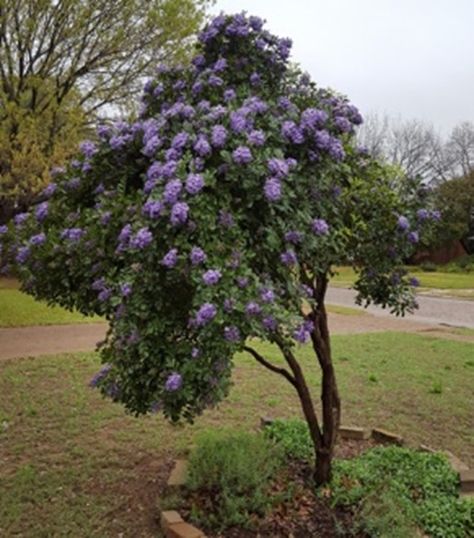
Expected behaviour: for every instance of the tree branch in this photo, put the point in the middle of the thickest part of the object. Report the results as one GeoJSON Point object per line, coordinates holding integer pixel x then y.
{"type": "Point", "coordinates": [282, 371]}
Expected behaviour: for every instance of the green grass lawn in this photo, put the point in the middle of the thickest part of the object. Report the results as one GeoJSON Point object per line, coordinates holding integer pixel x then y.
{"type": "Point", "coordinates": [444, 281]}
{"type": "Point", "coordinates": [18, 309]}
{"type": "Point", "coordinates": [74, 464]}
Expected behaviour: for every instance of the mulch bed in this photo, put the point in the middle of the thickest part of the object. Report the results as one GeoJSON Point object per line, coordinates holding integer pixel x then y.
{"type": "Point", "coordinates": [304, 514]}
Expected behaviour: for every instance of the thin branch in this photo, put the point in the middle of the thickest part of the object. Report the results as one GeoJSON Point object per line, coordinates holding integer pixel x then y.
{"type": "Point", "coordinates": [282, 371]}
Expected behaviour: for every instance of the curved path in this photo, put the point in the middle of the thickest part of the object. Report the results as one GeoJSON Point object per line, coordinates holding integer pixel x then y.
{"type": "Point", "coordinates": [433, 310]}
{"type": "Point", "coordinates": [48, 340]}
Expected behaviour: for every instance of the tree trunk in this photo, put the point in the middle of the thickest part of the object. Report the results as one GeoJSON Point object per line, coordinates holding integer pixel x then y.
{"type": "Point", "coordinates": [323, 467]}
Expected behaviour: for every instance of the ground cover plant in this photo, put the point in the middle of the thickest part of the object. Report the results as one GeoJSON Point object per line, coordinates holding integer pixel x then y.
{"type": "Point", "coordinates": [215, 218]}
{"type": "Point", "coordinates": [76, 464]}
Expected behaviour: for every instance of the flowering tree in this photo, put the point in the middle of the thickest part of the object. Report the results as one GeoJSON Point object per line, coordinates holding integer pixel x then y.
{"type": "Point", "coordinates": [215, 220]}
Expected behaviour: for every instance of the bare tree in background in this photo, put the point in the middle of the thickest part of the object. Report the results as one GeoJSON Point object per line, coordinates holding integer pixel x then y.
{"type": "Point", "coordinates": [416, 147]}
{"type": "Point", "coordinates": [460, 150]}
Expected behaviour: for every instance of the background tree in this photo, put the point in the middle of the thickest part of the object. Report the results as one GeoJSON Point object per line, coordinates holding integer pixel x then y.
{"type": "Point", "coordinates": [215, 219]}
{"type": "Point", "coordinates": [63, 62]}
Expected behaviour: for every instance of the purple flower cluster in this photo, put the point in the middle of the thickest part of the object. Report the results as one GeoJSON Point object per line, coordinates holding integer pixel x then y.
{"type": "Point", "coordinates": [303, 332]}
{"type": "Point", "coordinates": [72, 234]}
{"type": "Point", "coordinates": [194, 183]}
{"type": "Point", "coordinates": [232, 334]}
{"type": "Point", "coordinates": [38, 239]}
{"type": "Point", "coordinates": [272, 189]}
{"type": "Point", "coordinates": [206, 313]}
{"type": "Point", "coordinates": [170, 259]}
{"type": "Point", "coordinates": [197, 256]}
{"type": "Point", "coordinates": [100, 375]}
{"type": "Point", "coordinates": [289, 258]}
{"type": "Point", "coordinates": [141, 239]}
{"type": "Point", "coordinates": [179, 213]}
{"type": "Point", "coordinates": [320, 227]}
{"type": "Point", "coordinates": [173, 382]}
{"type": "Point", "coordinates": [242, 155]}
{"type": "Point", "coordinates": [211, 277]}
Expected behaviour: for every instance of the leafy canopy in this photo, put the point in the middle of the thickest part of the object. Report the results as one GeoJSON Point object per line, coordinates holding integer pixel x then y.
{"type": "Point", "coordinates": [209, 220]}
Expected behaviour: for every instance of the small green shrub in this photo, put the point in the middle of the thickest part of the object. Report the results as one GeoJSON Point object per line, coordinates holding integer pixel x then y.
{"type": "Point", "coordinates": [428, 267]}
{"type": "Point", "coordinates": [234, 469]}
{"type": "Point", "coordinates": [423, 487]}
{"type": "Point", "coordinates": [293, 438]}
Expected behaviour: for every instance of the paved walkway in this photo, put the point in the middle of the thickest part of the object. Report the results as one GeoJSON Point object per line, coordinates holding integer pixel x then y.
{"type": "Point", "coordinates": [48, 340]}
{"type": "Point", "coordinates": [433, 310]}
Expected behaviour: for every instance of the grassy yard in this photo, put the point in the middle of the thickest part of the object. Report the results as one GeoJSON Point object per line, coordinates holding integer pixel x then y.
{"type": "Point", "coordinates": [437, 280]}
{"type": "Point", "coordinates": [18, 309]}
{"type": "Point", "coordinates": [74, 464]}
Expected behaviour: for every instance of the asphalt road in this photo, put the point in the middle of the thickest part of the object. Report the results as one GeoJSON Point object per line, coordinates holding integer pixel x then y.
{"type": "Point", "coordinates": [435, 310]}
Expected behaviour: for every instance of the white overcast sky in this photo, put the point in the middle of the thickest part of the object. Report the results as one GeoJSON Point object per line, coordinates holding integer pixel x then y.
{"type": "Point", "coordinates": [407, 58]}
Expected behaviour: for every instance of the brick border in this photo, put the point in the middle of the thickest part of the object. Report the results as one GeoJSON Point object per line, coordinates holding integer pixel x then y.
{"type": "Point", "coordinates": [465, 475]}
{"type": "Point", "coordinates": [171, 522]}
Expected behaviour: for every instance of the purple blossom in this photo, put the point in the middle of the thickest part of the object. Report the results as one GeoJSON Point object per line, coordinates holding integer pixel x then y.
{"type": "Point", "coordinates": [41, 211]}
{"type": "Point", "coordinates": [215, 81]}
{"type": "Point", "coordinates": [403, 223]}
{"type": "Point", "coordinates": [202, 146]}
{"type": "Point", "coordinates": [267, 295]}
{"type": "Point", "coordinates": [272, 189]}
{"type": "Point", "coordinates": [270, 323]}
{"type": "Point", "coordinates": [168, 170]}
{"type": "Point", "coordinates": [88, 148]}
{"type": "Point", "coordinates": [180, 141]}
{"type": "Point", "coordinates": [242, 282]}
{"type": "Point", "coordinates": [414, 282]}
{"type": "Point", "coordinates": [125, 289]}
{"type": "Point", "coordinates": [320, 227]}
{"type": "Point", "coordinates": [20, 218]}
{"type": "Point", "coordinates": [194, 183]}
{"type": "Point", "coordinates": [125, 234]}
{"type": "Point", "coordinates": [38, 239]}
{"type": "Point", "coordinates": [172, 190]}
{"type": "Point", "coordinates": [303, 332]}
{"type": "Point", "coordinates": [105, 217]}
{"type": "Point", "coordinates": [229, 95]}
{"type": "Point", "coordinates": [104, 295]}
{"type": "Point", "coordinates": [72, 234]}
{"type": "Point", "coordinates": [232, 334]}
{"type": "Point", "coordinates": [289, 258]}
{"type": "Point", "coordinates": [170, 259]}
{"type": "Point", "coordinates": [73, 184]}
{"type": "Point", "coordinates": [220, 65]}
{"type": "Point", "coordinates": [151, 146]}
{"type": "Point", "coordinates": [22, 255]}
{"type": "Point", "coordinates": [195, 352]}
{"type": "Point", "coordinates": [256, 138]}
{"type": "Point", "coordinates": [98, 284]}
{"type": "Point", "coordinates": [413, 237]}
{"type": "Point", "coordinates": [142, 239]}
{"type": "Point", "coordinates": [343, 125]}
{"type": "Point", "coordinates": [336, 150]}
{"type": "Point", "coordinates": [197, 256]}
{"type": "Point", "coordinates": [293, 236]}
{"type": "Point", "coordinates": [255, 79]}
{"type": "Point", "coordinates": [3, 229]}
{"type": "Point", "coordinates": [292, 132]}
{"type": "Point", "coordinates": [312, 119]}
{"type": "Point", "coordinates": [205, 314]}
{"type": "Point", "coordinates": [179, 213]}
{"type": "Point", "coordinates": [238, 122]}
{"type": "Point", "coordinates": [242, 155]}
{"type": "Point", "coordinates": [278, 167]}
{"type": "Point", "coordinates": [211, 277]}
{"type": "Point", "coordinates": [219, 136]}
{"type": "Point", "coordinates": [253, 309]}
{"type": "Point", "coordinates": [152, 209]}
{"type": "Point", "coordinates": [174, 382]}
{"type": "Point", "coordinates": [100, 376]}
{"type": "Point", "coordinates": [423, 214]}
{"type": "Point", "coordinates": [49, 190]}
